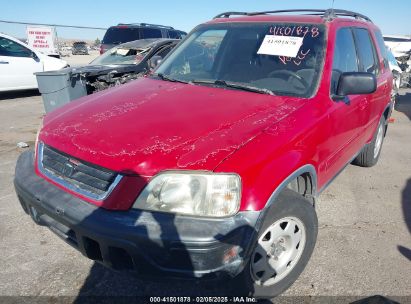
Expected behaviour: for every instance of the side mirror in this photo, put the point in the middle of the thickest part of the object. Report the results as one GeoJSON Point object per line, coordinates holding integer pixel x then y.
{"type": "Point", "coordinates": [154, 61]}
{"type": "Point", "coordinates": [355, 83]}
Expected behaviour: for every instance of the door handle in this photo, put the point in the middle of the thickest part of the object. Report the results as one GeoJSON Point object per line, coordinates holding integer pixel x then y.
{"type": "Point", "coordinates": [4, 62]}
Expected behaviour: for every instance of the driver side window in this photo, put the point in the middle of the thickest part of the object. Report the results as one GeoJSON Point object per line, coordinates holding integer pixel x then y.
{"type": "Point", "coordinates": [345, 56]}
{"type": "Point", "coordinates": [13, 49]}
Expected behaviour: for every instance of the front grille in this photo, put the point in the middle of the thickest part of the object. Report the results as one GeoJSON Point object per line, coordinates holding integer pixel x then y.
{"type": "Point", "coordinates": [90, 180]}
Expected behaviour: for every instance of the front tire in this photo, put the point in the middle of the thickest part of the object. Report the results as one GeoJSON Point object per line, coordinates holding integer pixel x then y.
{"type": "Point", "coordinates": [284, 245]}
{"type": "Point", "coordinates": [370, 154]}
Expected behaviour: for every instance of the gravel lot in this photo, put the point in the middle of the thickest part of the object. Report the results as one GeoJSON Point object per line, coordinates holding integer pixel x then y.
{"type": "Point", "coordinates": [363, 248]}
{"type": "Point", "coordinates": [80, 60]}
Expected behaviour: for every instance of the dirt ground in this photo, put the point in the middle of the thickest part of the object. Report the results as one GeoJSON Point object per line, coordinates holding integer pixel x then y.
{"type": "Point", "coordinates": [363, 248]}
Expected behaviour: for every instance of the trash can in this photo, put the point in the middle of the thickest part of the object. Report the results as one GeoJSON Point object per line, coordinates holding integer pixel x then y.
{"type": "Point", "coordinates": [58, 88]}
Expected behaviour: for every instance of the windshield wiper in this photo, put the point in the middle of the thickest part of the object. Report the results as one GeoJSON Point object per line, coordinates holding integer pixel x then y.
{"type": "Point", "coordinates": [166, 78]}
{"type": "Point", "coordinates": [234, 85]}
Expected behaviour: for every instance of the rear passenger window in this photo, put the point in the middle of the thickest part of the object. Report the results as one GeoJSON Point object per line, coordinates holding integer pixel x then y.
{"type": "Point", "coordinates": [173, 35]}
{"type": "Point", "coordinates": [366, 51]}
{"type": "Point", "coordinates": [345, 56]}
{"type": "Point", "coordinates": [382, 47]}
{"type": "Point", "coordinates": [151, 33]}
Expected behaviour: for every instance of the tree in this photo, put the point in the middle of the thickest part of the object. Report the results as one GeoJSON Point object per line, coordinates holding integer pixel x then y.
{"type": "Point", "coordinates": [97, 42]}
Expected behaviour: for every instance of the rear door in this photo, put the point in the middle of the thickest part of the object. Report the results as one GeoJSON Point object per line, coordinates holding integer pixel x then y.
{"type": "Point", "coordinates": [17, 66]}
{"type": "Point", "coordinates": [148, 33]}
{"type": "Point", "coordinates": [369, 62]}
{"type": "Point", "coordinates": [174, 34]}
{"type": "Point", "coordinates": [385, 79]}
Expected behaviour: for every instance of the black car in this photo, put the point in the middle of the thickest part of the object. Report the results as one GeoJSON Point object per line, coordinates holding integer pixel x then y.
{"type": "Point", "coordinates": [122, 33]}
{"type": "Point", "coordinates": [79, 48]}
{"type": "Point", "coordinates": [119, 65]}
{"type": "Point", "coordinates": [124, 63]}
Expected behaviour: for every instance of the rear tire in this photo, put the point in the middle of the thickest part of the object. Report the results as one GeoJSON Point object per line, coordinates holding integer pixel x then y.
{"type": "Point", "coordinates": [370, 154]}
{"type": "Point", "coordinates": [284, 245]}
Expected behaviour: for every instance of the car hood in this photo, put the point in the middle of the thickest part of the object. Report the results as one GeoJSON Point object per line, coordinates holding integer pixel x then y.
{"type": "Point", "coordinates": [149, 125]}
{"type": "Point", "coordinates": [94, 70]}
{"type": "Point", "coordinates": [51, 63]}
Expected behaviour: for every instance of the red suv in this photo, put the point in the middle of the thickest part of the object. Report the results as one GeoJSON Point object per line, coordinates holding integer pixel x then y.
{"type": "Point", "coordinates": [210, 167]}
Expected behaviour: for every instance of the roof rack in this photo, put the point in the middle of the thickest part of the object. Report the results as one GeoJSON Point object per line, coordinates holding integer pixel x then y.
{"type": "Point", "coordinates": [327, 14]}
{"type": "Point", "coordinates": [148, 24]}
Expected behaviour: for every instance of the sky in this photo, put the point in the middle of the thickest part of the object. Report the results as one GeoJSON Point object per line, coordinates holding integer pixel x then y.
{"type": "Point", "coordinates": [391, 16]}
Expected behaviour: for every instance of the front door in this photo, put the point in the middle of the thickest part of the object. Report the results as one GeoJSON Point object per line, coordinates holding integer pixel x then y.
{"type": "Point", "coordinates": [17, 66]}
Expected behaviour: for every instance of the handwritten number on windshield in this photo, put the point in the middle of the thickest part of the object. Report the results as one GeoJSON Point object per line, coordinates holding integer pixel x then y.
{"type": "Point", "coordinates": [292, 30]}
{"type": "Point", "coordinates": [298, 31]}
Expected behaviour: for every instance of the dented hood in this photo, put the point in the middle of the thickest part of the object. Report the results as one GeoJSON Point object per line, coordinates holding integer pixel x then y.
{"type": "Point", "coordinates": [149, 125]}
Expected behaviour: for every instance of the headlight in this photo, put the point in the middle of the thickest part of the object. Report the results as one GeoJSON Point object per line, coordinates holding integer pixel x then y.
{"type": "Point", "coordinates": [202, 194]}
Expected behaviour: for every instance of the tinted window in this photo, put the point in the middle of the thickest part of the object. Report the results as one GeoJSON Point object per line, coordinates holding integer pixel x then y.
{"type": "Point", "coordinates": [345, 56]}
{"type": "Point", "coordinates": [116, 35]}
{"type": "Point", "coordinates": [366, 51]}
{"type": "Point", "coordinates": [382, 47]}
{"type": "Point", "coordinates": [151, 33]}
{"type": "Point", "coordinates": [173, 35]}
{"type": "Point", "coordinates": [255, 55]}
{"type": "Point", "coordinates": [13, 49]}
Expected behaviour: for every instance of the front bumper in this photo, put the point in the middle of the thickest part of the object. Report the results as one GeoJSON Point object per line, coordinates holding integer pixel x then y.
{"type": "Point", "coordinates": [150, 243]}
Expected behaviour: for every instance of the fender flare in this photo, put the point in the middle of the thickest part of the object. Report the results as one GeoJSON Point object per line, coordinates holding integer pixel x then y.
{"type": "Point", "coordinates": [389, 107]}
{"type": "Point", "coordinates": [308, 168]}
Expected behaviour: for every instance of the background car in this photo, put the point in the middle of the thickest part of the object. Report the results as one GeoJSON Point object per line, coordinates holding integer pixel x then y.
{"type": "Point", "coordinates": [19, 62]}
{"type": "Point", "coordinates": [119, 65]}
{"type": "Point", "coordinates": [79, 48]}
{"type": "Point", "coordinates": [122, 33]}
{"type": "Point", "coordinates": [399, 45]}
{"type": "Point", "coordinates": [396, 71]}
{"type": "Point", "coordinates": [125, 62]}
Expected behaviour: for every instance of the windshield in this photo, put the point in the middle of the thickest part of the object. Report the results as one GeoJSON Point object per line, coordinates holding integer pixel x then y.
{"type": "Point", "coordinates": [285, 59]}
{"type": "Point", "coordinates": [122, 55]}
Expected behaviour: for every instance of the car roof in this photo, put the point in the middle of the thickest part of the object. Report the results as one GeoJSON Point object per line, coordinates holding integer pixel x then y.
{"type": "Point", "coordinates": [148, 25]}
{"type": "Point", "coordinates": [15, 40]}
{"type": "Point", "coordinates": [12, 38]}
{"type": "Point", "coordinates": [268, 18]}
{"type": "Point", "coordinates": [145, 43]}
{"type": "Point", "coordinates": [145, 25]}
{"type": "Point", "coordinates": [319, 16]}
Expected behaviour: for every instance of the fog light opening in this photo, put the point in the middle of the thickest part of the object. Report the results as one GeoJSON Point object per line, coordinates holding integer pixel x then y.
{"type": "Point", "coordinates": [231, 254]}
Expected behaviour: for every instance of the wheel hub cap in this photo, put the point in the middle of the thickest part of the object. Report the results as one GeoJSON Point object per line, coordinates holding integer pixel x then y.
{"type": "Point", "coordinates": [278, 250]}
{"type": "Point", "coordinates": [378, 140]}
